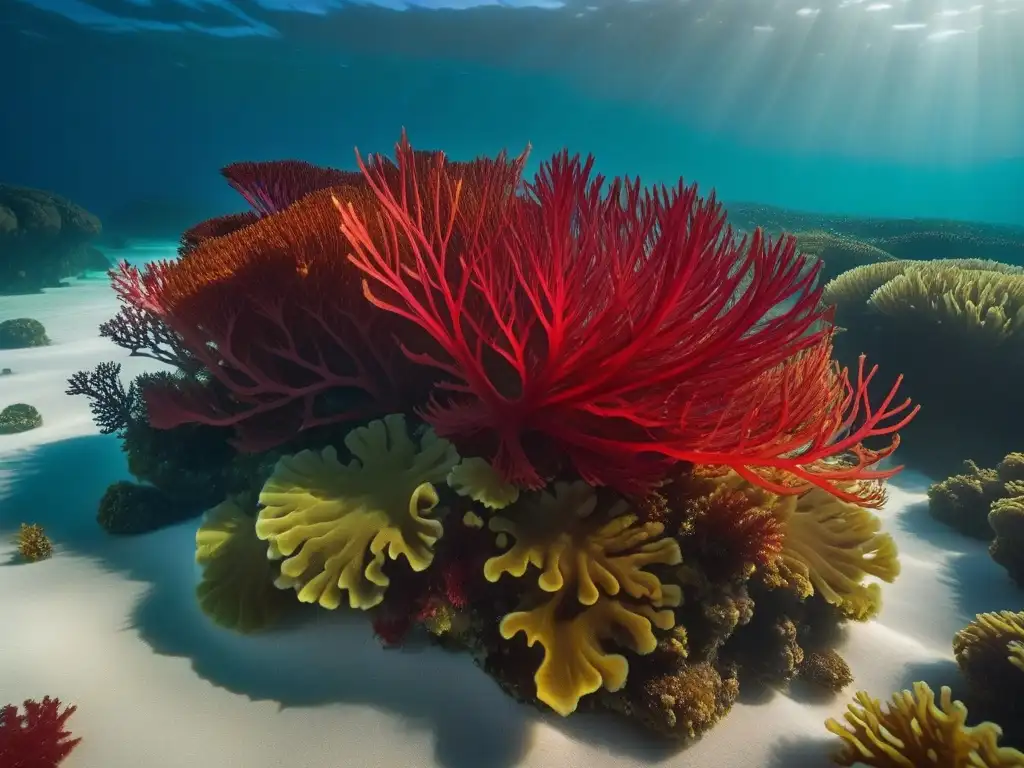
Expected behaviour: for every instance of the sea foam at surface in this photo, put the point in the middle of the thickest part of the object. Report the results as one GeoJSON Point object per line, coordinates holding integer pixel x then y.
{"type": "Point", "coordinates": [110, 624]}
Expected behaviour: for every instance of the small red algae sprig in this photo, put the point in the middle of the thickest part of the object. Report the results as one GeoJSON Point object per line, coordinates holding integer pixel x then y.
{"type": "Point", "coordinates": [36, 738]}
{"type": "Point", "coordinates": [613, 328]}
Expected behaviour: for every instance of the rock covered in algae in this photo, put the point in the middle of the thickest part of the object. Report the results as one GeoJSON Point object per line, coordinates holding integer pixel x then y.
{"type": "Point", "coordinates": [19, 417]}
{"type": "Point", "coordinates": [22, 333]}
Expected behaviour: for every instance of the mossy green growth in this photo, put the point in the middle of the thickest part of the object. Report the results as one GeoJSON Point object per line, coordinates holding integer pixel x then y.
{"type": "Point", "coordinates": [19, 418]}
{"type": "Point", "coordinates": [21, 333]}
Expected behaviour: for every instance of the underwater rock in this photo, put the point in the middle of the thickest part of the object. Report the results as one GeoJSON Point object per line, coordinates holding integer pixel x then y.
{"type": "Point", "coordinates": [43, 238]}
{"type": "Point", "coordinates": [22, 333]}
{"type": "Point", "coordinates": [19, 417]}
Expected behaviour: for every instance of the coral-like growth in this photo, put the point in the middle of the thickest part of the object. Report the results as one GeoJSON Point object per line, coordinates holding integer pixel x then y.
{"type": "Point", "coordinates": [18, 418]}
{"type": "Point", "coordinates": [1007, 522]}
{"type": "Point", "coordinates": [610, 326]}
{"type": "Point", "coordinates": [144, 334]}
{"type": "Point", "coordinates": [826, 670]}
{"type": "Point", "coordinates": [916, 731]}
{"type": "Point", "coordinates": [575, 660]}
{"type": "Point", "coordinates": [943, 323]}
{"type": "Point", "coordinates": [336, 525]}
{"type": "Point", "coordinates": [37, 738]}
{"type": "Point", "coordinates": [21, 333]}
{"type": "Point", "coordinates": [276, 317]}
{"type": "Point", "coordinates": [1016, 658]}
{"type": "Point", "coordinates": [32, 542]}
{"type": "Point", "coordinates": [215, 227]}
{"type": "Point", "coordinates": [599, 563]}
{"type": "Point", "coordinates": [237, 589]}
{"type": "Point", "coordinates": [728, 524]}
{"type": "Point", "coordinates": [988, 651]}
{"type": "Point", "coordinates": [667, 472]}
{"type": "Point", "coordinates": [128, 509]}
{"type": "Point", "coordinates": [831, 547]}
{"type": "Point", "coordinates": [478, 480]}
{"type": "Point", "coordinates": [986, 307]}
{"type": "Point", "coordinates": [273, 185]}
{"type": "Point", "coordinates": [111, 404]}
{"type": "Point", "coordinates": [681, 701]}
{"type": "Point", "coordinates": [987, 504]}
{"type": "Point", "coordinates": [963, 501]}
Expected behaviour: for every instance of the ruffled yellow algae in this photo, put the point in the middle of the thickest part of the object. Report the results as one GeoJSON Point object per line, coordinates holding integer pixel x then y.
{"type": "Point", "coordinates": [335, 524]}
{"type": "Point", "coordinates": [478, 480]}
{"type": "Point", "coordinates": [594, 568]}
{"type": "Point", "coordinates": [237, 587]}
{"type": "Point", "coordinates": [831, 547]}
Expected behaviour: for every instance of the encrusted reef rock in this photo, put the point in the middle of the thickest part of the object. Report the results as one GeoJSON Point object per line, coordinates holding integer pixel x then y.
{"type": "Point", "coordinates": [43, 239]}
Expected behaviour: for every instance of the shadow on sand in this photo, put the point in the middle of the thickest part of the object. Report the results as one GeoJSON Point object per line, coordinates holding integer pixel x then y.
{"type": "Point", "coordinates": [977, 583]}
{"type": "Point", "coordinates": [332, 658]}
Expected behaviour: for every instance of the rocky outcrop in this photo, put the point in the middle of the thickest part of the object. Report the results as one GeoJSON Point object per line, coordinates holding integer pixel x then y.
{"type": "Point", "coordinates": [44, 238]}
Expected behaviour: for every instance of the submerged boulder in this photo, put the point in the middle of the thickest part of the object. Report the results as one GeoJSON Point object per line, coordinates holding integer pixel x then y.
{"type": "Point", "coordinates": [43, 239]}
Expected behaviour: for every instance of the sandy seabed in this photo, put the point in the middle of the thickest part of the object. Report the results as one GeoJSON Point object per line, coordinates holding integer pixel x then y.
{"type": "Point", "coordinates": [110, 624]}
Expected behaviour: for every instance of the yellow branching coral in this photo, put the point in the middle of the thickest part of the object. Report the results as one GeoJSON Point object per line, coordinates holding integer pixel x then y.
{"type": "Point", "coordinates": [854, 287]}
{"type": "Point", "coordinates": [478, 480]}
{"type": "Point", "coordinates": [33, 544]}
{"type": "Point", "coordinates": [987, 305]}
{"type": "Point", "coordinates": [1016, 649]}
{"type": "Point", "coordinates": [990, 653]}
{"type": "Point", "coordinates": [993, 631]}
{"type": "Point", "coordinates": [336, 524]}
{"type": "Point", "coordinates": [237, 588]}
{"type": "Point", "coordinates": [594, 565]}
{"type": "Point", "coordinates": [916, 731]}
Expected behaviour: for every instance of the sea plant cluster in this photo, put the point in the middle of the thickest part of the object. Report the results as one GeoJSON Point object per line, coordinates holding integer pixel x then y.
{"type": "Point", "coordinates": [569, 424]}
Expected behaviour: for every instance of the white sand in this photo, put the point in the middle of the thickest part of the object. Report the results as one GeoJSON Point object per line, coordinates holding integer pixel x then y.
{"type": "Point", "coordinates": [111, 625]}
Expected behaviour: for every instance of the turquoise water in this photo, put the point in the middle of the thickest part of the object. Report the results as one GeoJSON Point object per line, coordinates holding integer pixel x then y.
{"type": "Point", "coordinates": [909, 108]}
{"type": "Point", "coordinates": [540, 461]}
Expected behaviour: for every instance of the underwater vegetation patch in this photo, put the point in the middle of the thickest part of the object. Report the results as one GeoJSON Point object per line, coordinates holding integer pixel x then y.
{"type": "Point", "coordinates": [987, 504]}
{"type": "Point", "coordinates": [956, 328]}
{"type": "Point", "coordinates": [32, 542]}
{"type": "Point", "coordinates": [22, 333]}
{"type": "Point", "coordinates": [19, 417]}
{"type": "Point", "coordinates": [571, 426]}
